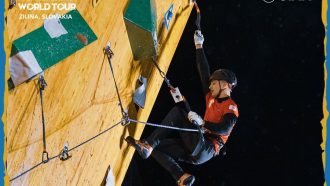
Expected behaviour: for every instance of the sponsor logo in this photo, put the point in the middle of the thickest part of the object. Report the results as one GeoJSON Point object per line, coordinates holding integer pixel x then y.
{"type": "Point", "coordinates": [211, 102]}
{"type": "Point", "coordinates": [232, 107]}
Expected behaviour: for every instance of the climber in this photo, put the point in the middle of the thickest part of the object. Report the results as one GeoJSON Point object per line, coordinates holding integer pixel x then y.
{"type": "Point", "coordinates": [220, 117]}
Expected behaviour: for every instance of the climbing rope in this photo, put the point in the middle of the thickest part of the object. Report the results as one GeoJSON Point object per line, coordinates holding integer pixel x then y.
{"type": "Point", "coordinates": [163, 126]}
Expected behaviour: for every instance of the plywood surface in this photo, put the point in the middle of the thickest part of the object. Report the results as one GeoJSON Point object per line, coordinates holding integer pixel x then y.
{"type": "Point", "coordinates": [80, 100]}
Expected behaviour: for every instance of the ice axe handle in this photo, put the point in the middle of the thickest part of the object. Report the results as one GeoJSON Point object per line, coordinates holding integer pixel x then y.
{"type": "Point", "coordinates": [198, 18]}
{"type": "Point", "coordinates": [187, 106]}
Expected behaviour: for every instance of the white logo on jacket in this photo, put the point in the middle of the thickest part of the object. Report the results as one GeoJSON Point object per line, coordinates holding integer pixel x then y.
{"type": "Point", "coordinates": [232, 107]}
{"type": "Point", "coordinates": [211, 102]}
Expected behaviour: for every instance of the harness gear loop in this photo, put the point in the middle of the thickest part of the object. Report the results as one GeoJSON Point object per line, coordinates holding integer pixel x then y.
{"type": "Point", "coordinates": [42, 85]}
{"type": "Point", "coordinates": [109, 53]}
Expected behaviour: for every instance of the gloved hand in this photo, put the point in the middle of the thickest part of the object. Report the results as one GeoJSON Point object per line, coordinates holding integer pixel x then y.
{"type": "Point", "coordinates": [193, 116]}
{"type": "Point", "coordinates": [198, 37]}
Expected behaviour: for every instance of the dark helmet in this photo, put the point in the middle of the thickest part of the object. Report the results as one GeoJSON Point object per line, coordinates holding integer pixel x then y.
{"type": "Point", "coordinates": [226, 75]}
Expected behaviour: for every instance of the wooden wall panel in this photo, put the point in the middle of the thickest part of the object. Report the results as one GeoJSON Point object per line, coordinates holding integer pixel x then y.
{"type": "Point", "coordinates": [80, 100]}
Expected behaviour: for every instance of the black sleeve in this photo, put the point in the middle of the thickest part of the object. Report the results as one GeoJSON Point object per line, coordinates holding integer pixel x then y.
{"type": "Point", "coordinates": [203, 69]}
{"type": "Point", "coordinates": [224, 127]}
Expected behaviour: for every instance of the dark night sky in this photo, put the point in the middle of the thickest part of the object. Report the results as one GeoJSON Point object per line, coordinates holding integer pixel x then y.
{"type": "Point", "coordinates": [276, 51]}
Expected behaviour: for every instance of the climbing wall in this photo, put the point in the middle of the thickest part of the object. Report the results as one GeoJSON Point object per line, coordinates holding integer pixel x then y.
{"type": "Point", "coordinates": [80, 100]}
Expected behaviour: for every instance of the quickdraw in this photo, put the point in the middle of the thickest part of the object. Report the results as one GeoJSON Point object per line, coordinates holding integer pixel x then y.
{"type": "Point", "coordinates": [109, 53]}
{"type": "Point", "coordinates": [42, 85]}
{"type": "Point", "coordinates": [64, 154]}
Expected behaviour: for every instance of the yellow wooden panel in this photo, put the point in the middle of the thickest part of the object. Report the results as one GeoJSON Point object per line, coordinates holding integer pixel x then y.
{"type": "Point", "coordinates": [80, 100]}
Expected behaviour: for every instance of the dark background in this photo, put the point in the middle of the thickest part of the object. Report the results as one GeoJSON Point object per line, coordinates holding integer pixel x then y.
{"type": "Point", "coordinates": [277, 53]}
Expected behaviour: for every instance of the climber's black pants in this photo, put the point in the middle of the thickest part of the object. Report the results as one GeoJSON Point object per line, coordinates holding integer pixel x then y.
{"type": "Point", "coordinates": [167, 151]}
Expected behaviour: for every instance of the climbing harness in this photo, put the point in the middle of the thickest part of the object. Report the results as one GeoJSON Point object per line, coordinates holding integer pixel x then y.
{"type": "Point", "coordinates": [42, 85]}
